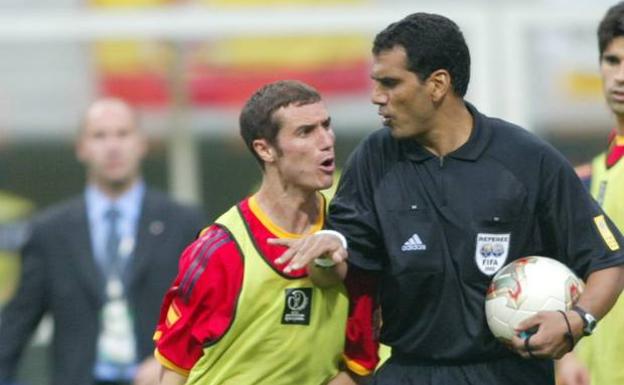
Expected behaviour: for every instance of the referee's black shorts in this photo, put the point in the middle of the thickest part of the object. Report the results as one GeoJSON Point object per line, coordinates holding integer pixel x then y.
{"type": "Point", "coordinates": [505, 371]}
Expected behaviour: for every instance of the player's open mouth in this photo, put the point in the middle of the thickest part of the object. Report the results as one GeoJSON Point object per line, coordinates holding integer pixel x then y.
{"type": "Point", "coordinates": [328, 165]}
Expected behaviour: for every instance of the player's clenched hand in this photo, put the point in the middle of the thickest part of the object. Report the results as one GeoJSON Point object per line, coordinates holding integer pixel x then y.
{"type": "Point", "coordinates": [549, 339]}
{"type": "Point", "coordinates": [305, 250]}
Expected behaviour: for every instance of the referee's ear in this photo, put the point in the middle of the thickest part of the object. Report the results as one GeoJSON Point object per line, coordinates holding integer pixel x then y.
{"type": "Point", "coordinates": [439, 84]}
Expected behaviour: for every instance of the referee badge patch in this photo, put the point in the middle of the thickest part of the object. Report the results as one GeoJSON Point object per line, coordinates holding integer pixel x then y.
{"type": "Point", "coordinates": [297, 305]}
{"type": "Point", "coordinates": [491, 252]}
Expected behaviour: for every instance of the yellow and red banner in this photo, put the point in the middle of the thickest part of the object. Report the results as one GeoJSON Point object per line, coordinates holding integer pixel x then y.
{"type": "Point", "coordinates": [226, 71]}
{"type": "Point", "coordinates": [136, 71]}
{"type": "Point", "coordinates": [229, 70]}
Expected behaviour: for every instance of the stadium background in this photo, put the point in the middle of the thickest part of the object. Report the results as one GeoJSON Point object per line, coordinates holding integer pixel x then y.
{"type": "Point", "coordinates": [188, 65]}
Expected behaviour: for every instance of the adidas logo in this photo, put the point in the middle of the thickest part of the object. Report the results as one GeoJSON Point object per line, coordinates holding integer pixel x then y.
{"type": "Point", "coordinates": [414, 243]}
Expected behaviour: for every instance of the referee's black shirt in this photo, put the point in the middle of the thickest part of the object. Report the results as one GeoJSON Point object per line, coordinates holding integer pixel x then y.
{"type": "Point", "coordinates": [418, 219]}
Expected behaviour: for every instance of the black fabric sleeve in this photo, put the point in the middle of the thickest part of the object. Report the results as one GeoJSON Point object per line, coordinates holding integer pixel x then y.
{"type": "Point", "coordinates": [22, 314]}
{"type": "Point", "coordinates": [571, 221]}
{"type": "Point", "coordinates": [352, 211]}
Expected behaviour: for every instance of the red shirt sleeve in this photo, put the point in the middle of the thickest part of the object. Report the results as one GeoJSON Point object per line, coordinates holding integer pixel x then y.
{"type": "Point", "coordinates": [362, 337]}
{"type": "Point", "coordinates": [199, 306]}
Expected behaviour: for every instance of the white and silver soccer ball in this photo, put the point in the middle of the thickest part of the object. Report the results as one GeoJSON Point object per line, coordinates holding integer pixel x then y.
{"type": "Point", "coordinates": [526, 286]}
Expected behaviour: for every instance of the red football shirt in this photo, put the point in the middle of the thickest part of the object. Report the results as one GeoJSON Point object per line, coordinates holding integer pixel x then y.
{"type": "Point", "coordinates": [200, 305]}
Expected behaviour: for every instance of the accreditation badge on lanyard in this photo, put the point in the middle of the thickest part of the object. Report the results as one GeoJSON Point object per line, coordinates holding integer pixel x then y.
{"type": "Point", "coordinates": [116, 342]}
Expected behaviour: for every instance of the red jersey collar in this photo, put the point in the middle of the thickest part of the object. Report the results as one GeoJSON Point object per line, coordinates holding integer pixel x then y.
{"type": "Point", "coordinates": [616, 149]}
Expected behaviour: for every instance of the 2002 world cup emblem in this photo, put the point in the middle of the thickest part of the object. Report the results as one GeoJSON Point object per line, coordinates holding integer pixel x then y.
{"type": "Point", "coordinates": [297, 304]}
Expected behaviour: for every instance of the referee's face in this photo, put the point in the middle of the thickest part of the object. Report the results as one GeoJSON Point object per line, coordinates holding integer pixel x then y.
{"type": "Point", "coordinates": [111, 146]}
{"type": "Point", "coordinates": [404, 101]}
{"type": "Point", "coordinates": [305, 147]}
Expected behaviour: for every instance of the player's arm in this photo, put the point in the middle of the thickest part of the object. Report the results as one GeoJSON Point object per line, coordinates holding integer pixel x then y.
{"type": "Point", "coordinates": [349, 378]}
{"type": "Point", "coordinates": [200, 305]}
{"type": "Point", "coordinates": [169, 377]}
{"type": "Point", "coordinates": [571, 371]}
{"type": "Point", "coordinates": [342, 378]}
{"type": "Point", "coordinates": [147, 372]}
{"type": "Point", "coordinates": [361, 351]}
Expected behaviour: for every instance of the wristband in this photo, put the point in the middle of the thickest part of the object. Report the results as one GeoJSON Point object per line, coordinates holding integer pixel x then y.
{"type": "Point", "coordinates": [342, 238]}
{"type": "Point", "coordinates": [326, 262]}
{"type": "Point", "coordinates": [568, 335]}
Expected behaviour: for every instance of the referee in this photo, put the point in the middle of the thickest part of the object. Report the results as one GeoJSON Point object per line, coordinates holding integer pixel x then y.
{"type": "Point", "coordinates": [422, 199]}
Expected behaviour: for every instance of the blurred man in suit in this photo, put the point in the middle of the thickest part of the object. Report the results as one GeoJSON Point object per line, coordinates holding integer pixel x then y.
{"type": "Point", "coordinates": [99, 263]}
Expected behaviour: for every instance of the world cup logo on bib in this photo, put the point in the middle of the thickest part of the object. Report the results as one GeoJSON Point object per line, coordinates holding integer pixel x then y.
{"type": "Point", "coordinates": [297, 306]}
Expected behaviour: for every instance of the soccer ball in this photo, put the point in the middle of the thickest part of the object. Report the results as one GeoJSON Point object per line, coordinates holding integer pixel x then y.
{"type": "Point", "coordinates": [526, 286]}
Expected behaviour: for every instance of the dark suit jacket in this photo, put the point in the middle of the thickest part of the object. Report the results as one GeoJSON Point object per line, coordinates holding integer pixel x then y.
{"type": "Point", "coordinates": [61, 277]}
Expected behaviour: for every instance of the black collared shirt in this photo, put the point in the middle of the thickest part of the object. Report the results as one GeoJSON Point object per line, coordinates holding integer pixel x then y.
{"type": "Point", "coordinates": [437, 229]}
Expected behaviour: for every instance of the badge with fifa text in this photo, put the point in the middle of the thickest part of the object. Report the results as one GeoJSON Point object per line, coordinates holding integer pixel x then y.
{"type": "Point", "coordinates": [491, 252]}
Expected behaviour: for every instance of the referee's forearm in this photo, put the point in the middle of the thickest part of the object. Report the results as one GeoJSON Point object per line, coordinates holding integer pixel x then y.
{"type": "Point", "coordinates": [602, 290]}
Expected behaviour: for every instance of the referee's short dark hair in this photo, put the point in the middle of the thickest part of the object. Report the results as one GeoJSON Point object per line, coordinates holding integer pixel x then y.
{"type": "Point", "coordinates": [431, 42]}
{"type": "Point", "coordinates": [611, 26]}
{"type": "Point", "coordinates": [257, 118]}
